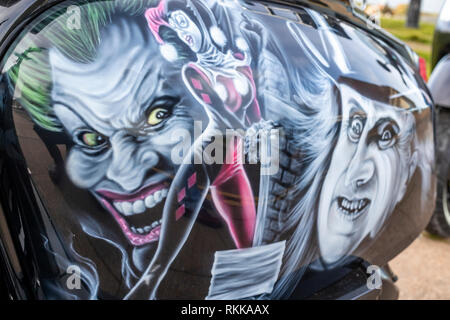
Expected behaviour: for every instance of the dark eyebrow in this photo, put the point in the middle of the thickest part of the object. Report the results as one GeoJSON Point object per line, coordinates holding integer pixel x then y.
{"type": "Point", "coordinates": [164, 91]}
{"type": "Point", "coordinates": [373, 133]}
{"type": "Point", "coordinates": [169, 101]}
{"type": "Point", "coordinates": [385, 119]}
{"type": "Point", "coordinates": [77, 114]}
{"type": "Point", "coordinates": [356, 109]}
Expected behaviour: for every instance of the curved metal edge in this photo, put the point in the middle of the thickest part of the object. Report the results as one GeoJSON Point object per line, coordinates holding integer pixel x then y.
{"type": "Point", "coordinates": [439, 82]}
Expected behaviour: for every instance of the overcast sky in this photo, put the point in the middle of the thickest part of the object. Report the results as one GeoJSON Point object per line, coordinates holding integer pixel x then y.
{"type": "Point", "coordinates": [427, 5]}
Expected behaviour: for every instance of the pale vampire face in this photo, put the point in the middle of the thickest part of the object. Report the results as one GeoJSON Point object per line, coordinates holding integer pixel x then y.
{"type": "Point", "coordinates": [368, 173]}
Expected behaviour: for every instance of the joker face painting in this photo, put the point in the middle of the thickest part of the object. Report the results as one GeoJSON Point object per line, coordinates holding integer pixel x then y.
{"type": "Point", "coordinates": [121, 111]}
{"type": "Point", "coordinates": [370, 167]}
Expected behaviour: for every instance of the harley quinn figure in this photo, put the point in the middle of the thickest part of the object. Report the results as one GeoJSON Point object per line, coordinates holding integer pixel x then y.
{"type": "Point", "coordinates": [216, 70]}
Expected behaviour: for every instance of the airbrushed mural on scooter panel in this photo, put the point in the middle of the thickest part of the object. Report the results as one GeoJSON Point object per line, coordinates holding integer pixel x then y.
{"type": "Point", "coordinates": [171, 106]}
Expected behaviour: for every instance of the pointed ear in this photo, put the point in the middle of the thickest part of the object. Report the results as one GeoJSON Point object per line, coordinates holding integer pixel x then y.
{"type": "Point", "coordinates": [200, 86]}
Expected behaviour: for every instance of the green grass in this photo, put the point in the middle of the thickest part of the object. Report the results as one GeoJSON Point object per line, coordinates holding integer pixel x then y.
{"type": "Point", "coordinates": [397, 27]}
{"type": "Point", "coordinates": [418, 39]}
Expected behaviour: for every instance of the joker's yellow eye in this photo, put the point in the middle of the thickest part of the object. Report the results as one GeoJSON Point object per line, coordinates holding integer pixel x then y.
{"type": "Point", "coordinates": [157, 115]}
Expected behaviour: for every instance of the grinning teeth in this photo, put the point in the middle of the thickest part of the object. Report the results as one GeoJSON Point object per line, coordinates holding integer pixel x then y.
{"type": "Point", "coordinates": [158, 196]}
{"type": "Point", "coordinates": [127, 208]}
{"type": "Point", "coordinates": [118, 206]}
{"type": "Point", "coordinates": [145, 229]}
{"type": "Point", "coordinates": [130, 208]}
{"type": "Point", "coordinates": [352, 209]}
{"type": "Point", "coordinates": [150, 201]}
{"type": "Point", "coordinates": [153, 199]}
{"type": "Point", "coordinates": [154, 224]}
{"type": "Point", "coordinates": [138, 206]}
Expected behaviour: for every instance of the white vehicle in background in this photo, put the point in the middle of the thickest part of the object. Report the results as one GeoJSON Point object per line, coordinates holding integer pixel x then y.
{"type": "Point", "coordinates": [439, 85]}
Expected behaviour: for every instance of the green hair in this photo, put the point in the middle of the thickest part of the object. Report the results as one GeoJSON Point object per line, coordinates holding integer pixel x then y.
{"type": "Point", "coordinates": [30, 76]}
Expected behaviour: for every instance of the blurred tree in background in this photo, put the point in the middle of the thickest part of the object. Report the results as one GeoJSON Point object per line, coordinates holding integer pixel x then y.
{"type": "Point", "coordinates": [413, 16]}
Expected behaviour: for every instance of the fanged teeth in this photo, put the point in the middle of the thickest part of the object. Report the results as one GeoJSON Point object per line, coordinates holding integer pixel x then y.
{"type": "Point", "coordinates": [146, 229]}
{"type": "Point", "coordinates": [352, 209]}
{"type": "Point", "coordinates": [130, 208]}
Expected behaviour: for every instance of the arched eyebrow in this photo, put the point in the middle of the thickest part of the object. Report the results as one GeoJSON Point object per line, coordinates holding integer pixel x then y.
{"type": "Point", "coordinates": [373, 133]}
{"type": "Point", "coordinates": [385, 119]}
{"type": "Point", "coordinates": [356, 109]}
{"type": "Point", "coordinates": [72, 121]}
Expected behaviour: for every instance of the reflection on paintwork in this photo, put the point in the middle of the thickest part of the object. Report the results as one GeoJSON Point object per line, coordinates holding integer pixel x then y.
{"type": "Point", "coordinates": [115, 91]}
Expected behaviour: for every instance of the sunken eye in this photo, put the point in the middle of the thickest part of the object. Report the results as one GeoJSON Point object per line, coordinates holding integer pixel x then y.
{"type": "Point", "coordinates": [92, 139]}
{"type": "Point", "coordinates": [157, 116]}
{"type": "Point", "coordinates": [387, 135]}
{"type": "Point", "coordinates": [355, 128]}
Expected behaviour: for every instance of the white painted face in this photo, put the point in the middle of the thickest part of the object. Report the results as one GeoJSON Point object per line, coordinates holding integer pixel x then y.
{"type": "Point", "coordinates": [368, 173]}
{"type": "Point", "coordinates": [186, 29]}
{"type": "Point", "coordinates": [121, 111]}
